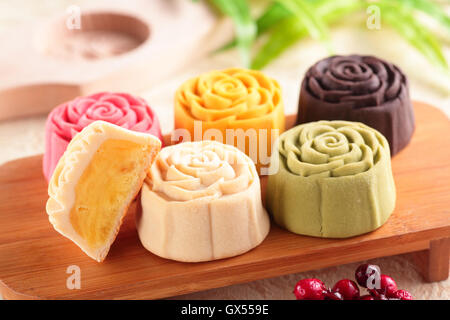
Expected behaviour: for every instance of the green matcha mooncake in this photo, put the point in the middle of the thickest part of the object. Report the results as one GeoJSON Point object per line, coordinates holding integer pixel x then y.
{"type": "Point", "coordinates": [331, 179]}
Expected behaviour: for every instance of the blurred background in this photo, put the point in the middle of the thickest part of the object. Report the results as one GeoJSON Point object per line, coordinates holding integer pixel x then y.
{"type": "Point", "coordinates": [53, 51]}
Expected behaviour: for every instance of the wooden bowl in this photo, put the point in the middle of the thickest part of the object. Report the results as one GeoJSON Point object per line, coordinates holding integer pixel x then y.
{"type": "Point", "coordinates": [118, 47]}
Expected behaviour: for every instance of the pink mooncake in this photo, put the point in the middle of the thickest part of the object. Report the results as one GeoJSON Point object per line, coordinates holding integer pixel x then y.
{"type": "Point", "coordinates": [69, 118]}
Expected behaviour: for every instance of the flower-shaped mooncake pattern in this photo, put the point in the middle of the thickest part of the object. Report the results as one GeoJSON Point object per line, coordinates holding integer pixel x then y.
{"type": "Point", "coordinates": [200, 202]}
{"type": "Point", "coordinates": [331, 179]}
{"type": "Point", "coordinates": [69, 118]}
{"type": "Point", "coordinates": [359, 88]}
{"type": "Point", "coordinates": [233, 99]}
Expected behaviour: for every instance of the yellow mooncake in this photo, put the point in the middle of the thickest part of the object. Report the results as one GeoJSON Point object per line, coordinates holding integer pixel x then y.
{"type": "Point", "coordinates": [95, 181]}
{"type": "Point", "coordinates": [239, 107]}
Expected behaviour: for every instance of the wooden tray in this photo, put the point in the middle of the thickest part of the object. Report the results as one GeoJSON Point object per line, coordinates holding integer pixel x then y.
{"type": "Point", "coordinates": [34, 258]}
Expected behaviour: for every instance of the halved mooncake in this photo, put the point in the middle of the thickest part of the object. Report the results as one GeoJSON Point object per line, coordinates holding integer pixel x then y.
{"type": "Point", "coordinates": [331, 179]}
{"type": "Point", "coordinates": [95, 181]}
{"type": "Point", "coordinates": [201, 202]}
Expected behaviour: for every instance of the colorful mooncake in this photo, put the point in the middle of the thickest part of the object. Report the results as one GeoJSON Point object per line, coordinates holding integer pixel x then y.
{"type": "Point", "coordinates": [239, 107]}
{"type": "Point", "coordinates": [331, 179]}
{"type": "Point", "coordinates": [359, 88]}
{"type": "Point", "coordinates": [201, 202]}
{"type": "Point", "coordinates": [69, 118]}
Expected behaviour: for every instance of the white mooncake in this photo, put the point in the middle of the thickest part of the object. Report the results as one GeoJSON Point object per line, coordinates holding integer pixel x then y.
{"type": "Point", "coordinates": [200, 202]}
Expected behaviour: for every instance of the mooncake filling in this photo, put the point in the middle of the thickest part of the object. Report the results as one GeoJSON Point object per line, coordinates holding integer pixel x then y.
{"type": "Point", "coordinates": [104, 189]}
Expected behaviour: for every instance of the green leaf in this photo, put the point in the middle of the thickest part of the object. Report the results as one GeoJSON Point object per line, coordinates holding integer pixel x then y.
{"type": "Point", "coordinates": [285, 34]}
{"type": "Point", "coordinates": [273, 14]}
{"type": "Point", "coordinates": [402, 19]}
{"type": "Point", "coordinates": [291, 20]}
{"type": "Point", "coordinates": [276, 12]}
{"type": "Point", "coordinates": [290, 30]}
{"type": "Point", "coordinates": [245, 26]}
{"type": "Point", "coordinates": [431, 9]}
{"type": "Point", "coordinates": [332, 11]}
{"type": "Point", "coordinates": [310, 19]}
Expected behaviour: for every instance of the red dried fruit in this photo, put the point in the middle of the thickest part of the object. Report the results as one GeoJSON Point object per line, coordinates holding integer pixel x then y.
{"type": "Point", "coordinates": [402, 295]}
{"type": "Point", "coordinates": [310, 289]}
{"type": "Point", "coordinates": [347, 288]}
{"type": "Point", "coordinates": [388, 285]}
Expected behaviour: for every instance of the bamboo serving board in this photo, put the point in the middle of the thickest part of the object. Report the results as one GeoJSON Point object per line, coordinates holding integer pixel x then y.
{"type": "Point", "coordinates": [116, 46]}
{"type": "Point", "coordinates": [34, 258]}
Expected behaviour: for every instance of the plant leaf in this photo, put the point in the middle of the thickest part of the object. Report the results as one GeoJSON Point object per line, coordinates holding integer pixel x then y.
{"type": "Point", "coordinates": [272, 15]}
{"type": "Point", "coordinates": [245, 26]}
{"type": "Point", "coordinates": [276, 12]}
{"type": "Point", "coordinates": [431, 9]}
{"type": "Point", "coordinates": [285, 34]}
{"type": "Point", "coordinates": [402, 19]}
{"type": "Point", "coordinates": [290, 30]}
{"type": "Point", "coordinates": [332, 11]}
{"type": "Point", "coordinates": [309, 18]}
